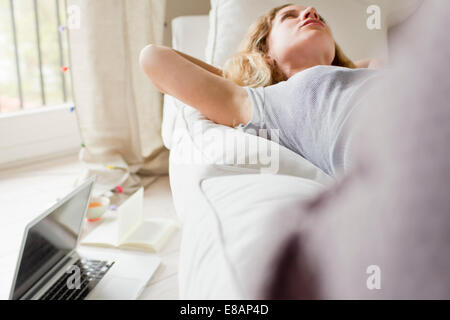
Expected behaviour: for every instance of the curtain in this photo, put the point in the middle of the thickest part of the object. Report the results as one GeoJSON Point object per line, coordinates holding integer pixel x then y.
{"type": "Point", "coordinates": [119, 112]}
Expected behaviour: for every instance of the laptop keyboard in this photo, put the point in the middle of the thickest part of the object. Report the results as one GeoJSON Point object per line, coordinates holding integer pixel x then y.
{"type": "Point", "coordinates": [91, 272]}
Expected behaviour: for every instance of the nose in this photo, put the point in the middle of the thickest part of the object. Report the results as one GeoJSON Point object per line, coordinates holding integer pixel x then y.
{"type": "Point", "coordinates": [308, 13]}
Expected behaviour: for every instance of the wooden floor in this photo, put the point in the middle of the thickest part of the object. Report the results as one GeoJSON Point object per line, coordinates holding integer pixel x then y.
{"type": "Point", "coordinates": [26, 191]}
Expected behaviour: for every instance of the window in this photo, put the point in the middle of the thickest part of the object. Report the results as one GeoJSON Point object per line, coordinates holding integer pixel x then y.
{"type": "Point", "coordinates": [35, 82]}
{"type": "Point", "coordinates": [34, 54]}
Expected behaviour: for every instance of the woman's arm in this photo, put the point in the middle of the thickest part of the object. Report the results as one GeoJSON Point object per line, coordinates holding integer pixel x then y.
{"type": "Point", "coordinates": [200, 63]}
{"type": "Point", "coordinates": [197, 84]}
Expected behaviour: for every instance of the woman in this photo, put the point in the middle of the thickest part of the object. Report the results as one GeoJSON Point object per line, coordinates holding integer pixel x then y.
{"type": "Point", "coordinates": [289, 76]}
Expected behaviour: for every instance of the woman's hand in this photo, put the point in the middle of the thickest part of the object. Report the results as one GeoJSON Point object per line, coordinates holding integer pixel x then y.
{"type": "Point", "coordinates": [373, 63]}
{"type": "Point", "coordinates": [376, 64]}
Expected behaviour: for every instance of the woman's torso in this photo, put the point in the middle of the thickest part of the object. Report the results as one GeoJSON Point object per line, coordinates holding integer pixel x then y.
{"type": "Point", "coordinates": [312, 110]}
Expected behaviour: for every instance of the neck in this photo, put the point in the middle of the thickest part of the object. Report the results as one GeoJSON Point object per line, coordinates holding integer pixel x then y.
{"type": "Point", "coordinates": [290, 69]}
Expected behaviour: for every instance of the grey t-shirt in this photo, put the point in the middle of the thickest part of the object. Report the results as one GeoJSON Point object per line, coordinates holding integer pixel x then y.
{"type": "Point", "coordinates": [311, 111]}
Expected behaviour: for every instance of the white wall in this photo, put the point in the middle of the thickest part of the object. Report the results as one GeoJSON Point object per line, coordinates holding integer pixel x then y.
{"type": "Point", "coordinates": [176, 8]}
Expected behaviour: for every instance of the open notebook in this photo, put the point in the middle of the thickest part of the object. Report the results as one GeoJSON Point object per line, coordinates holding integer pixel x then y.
{"type": "Point", "coordinates": [129, 229]}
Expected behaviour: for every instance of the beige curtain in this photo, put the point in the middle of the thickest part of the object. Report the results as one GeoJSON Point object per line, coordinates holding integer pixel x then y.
{"type": "Point", "coordinates": [118, 110]}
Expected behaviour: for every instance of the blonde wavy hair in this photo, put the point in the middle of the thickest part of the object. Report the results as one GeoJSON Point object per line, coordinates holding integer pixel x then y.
{"type": "Point", "coordinates": [252, 66]}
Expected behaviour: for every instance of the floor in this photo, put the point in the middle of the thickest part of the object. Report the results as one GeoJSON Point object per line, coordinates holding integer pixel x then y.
{"type": "Point", "coordinates": [26, 191]}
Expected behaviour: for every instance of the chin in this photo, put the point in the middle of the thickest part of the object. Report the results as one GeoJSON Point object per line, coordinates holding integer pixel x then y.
{"type": "Point", "coordinates": [317, 39]}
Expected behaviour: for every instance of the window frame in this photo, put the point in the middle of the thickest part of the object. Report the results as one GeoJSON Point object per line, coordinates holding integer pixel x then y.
{"type": "Point", "coordinates": [37, 134]}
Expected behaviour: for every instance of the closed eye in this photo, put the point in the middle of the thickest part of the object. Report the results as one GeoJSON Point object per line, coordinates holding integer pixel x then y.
{"type": "Point", "coordinates": [289, 14]}
{"type": "Point", "coordinates": [293, 14]}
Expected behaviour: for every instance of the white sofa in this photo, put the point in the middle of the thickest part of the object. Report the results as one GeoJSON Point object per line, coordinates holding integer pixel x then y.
{"type": "Point", "coordinates": [228, 209]}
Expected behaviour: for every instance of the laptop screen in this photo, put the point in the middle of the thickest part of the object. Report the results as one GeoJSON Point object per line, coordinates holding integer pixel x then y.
{"type": "Point", "coordinates": [50, 239]}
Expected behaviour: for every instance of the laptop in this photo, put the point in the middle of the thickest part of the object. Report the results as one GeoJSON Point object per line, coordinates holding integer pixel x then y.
{"type": "Point", "coordinates": [51, 265]}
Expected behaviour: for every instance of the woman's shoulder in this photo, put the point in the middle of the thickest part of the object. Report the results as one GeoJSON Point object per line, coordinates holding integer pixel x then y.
{"type": "Point", "coordinates": [323, 72]}
{"type": "Point", "coordinates": [317, 75]}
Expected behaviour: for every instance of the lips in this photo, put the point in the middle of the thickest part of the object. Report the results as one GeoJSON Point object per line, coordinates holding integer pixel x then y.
{"type": "Point", "coordinates": [312, 21]}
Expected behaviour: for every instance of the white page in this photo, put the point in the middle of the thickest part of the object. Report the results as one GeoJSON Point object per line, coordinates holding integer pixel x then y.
{"type": "Point", "coordinates": [130, 214]}
{"type": "Point", "coordinates": [106, 233]}
{"type": "Point", "coordinates": [152, 233]}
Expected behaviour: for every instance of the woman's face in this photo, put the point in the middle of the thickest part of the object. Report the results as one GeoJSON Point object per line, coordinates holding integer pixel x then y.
{"type": "Point", "coordinates": [299, 40]}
